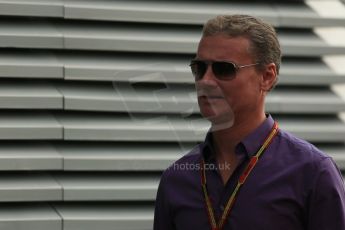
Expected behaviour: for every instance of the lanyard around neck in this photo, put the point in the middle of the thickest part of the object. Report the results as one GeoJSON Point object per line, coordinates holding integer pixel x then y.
{"type": "Point", "coordinates": [253, 161]}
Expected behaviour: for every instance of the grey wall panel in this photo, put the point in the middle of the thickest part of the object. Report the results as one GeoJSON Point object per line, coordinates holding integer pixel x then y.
{"type": "Point", "coordinates": [301, 15]}
{"type": "Point", "coordinates": [29, 217]}
{"type": "Point", "coordinates": [106, 37]}
{"type": "Point", "coordinates": [308, 73]}
{"type": "Point", "coordinates": [128, 68]}
{"type": "Point", "coordinates": [40, 8]}
{"type": "Point", "coordinates": [100, 156]}
{"type": "Point", "coordinates": [315, 129]}
{"type": "Point", "coordinates": [29, 126]}
{"type": "Point", "coordinates": [306, 43]}
{"type": "Point", "coordinates": [175, 40]}
{"type": "Point", "coordinates": [27, 64]}
{"type": "Point", "coordinates": [105, 217]}
{"type": "Point", "coordinates": [187, 12]}
{"type": "Point", "coordinates": [29, 95]}
{"type": "Point", "coordinates": [128, 98]}
{"type": "Point", "coordinates": [80, 36]}
{"type": "Point", "coordinates": [163, 11]}
{"type": "Point", "coordinates": [307, 101]}
{"type": "Point", "coordinates": [183, 12]}
{"type": "Point", "coordinates": [135, 128]}
{"type": "Point", "coordinates": [29, 187]}
{"type": "Point", "coordinates": [108, 187]}
{"type": "Point", "coordinates": [29, 34]}
{"type": "Point", "coordinates": [29, 156]}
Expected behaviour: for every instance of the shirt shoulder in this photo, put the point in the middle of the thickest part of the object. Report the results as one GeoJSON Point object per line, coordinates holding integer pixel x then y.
{"type": "Point", "coordinates": [303, 158]}
{"type": "Point", "coordinates": [300, 148]}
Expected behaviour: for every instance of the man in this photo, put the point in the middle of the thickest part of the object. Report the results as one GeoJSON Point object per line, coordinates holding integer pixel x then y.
{"type": "Point", "coordinates": [247, 174]}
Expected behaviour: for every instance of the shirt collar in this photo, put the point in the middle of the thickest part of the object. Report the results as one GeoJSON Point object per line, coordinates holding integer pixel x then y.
{"type": "Point", "coordinates": [248, 146]}
{"type": "Point", "coordinates": [255, 139]}
{"type": "Point", "coordinates": [207, 148]}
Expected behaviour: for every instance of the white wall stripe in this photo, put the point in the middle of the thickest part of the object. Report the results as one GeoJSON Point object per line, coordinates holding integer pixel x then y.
{"type": "Point", "coordinates": [342, 116]}
{"type": "Point", "coordinates": [334, 36]}
{"type": "Point", "coordinates": [336, 63]}
{"type": "Point", "coordinates": [339, 89]}
{"type": "Point", "coordinates": [329, 8]}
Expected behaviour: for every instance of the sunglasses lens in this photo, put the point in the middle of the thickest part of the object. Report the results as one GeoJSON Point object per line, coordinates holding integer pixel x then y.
{"type": "Point", "coordinates": [221, 70]}
{"type": "Point", "coordinates": [224, 70]}
{"type": "Point", "coordinates": [198, 69]}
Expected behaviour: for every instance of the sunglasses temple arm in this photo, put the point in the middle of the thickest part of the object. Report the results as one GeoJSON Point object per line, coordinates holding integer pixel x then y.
{"type": "Point", "coordinates": [243, 66]}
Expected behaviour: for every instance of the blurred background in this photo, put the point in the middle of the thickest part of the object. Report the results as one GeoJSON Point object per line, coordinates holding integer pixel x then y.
{"type": "Point", "coordinates": [97, 99]}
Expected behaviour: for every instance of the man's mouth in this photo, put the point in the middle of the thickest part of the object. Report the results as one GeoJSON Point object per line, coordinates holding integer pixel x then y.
{"type": "Point", "coordinates": [210, 97]}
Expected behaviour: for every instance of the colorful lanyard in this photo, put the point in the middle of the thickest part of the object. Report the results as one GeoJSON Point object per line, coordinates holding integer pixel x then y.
{"type": "Point", "coordinates": [253, 161]}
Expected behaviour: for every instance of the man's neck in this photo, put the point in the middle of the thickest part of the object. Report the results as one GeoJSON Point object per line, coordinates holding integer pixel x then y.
{"type": "Point", "coordinates": [225, 140]}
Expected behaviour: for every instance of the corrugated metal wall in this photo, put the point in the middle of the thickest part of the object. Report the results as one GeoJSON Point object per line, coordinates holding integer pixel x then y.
{"type": "Point", "coordinates": [97, 99]}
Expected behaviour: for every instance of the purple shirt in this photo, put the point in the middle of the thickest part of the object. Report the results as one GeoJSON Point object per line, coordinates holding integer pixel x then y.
{"type": "Point", "coordinates": [294, 186]}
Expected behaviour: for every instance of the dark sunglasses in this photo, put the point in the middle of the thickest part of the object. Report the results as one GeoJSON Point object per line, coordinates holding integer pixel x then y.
{"type": "Point", "coordinates": [222, 70]}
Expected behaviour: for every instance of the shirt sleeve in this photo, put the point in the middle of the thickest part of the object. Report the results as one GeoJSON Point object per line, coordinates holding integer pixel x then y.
{"type": "Point", "coordinates": [327, 204]}
{"type": "Point", "coordinates": [162, 215]}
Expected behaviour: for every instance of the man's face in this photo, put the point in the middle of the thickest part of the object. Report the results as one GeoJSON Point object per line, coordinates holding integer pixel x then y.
{"type": "Point", "coordinates": [221, 101]}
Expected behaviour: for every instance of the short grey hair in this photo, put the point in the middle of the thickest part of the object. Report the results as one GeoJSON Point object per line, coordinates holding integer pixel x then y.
{"type": "Point", "coordinates": [264, 44]}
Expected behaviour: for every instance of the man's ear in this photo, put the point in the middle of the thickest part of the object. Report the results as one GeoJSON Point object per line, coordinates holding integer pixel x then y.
{"type": "Point", "coordinates": [269, 77]}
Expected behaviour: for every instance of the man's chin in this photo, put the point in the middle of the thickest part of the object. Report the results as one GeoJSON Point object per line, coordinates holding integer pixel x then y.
{"type": "Point", "coordinates": [221, 122]}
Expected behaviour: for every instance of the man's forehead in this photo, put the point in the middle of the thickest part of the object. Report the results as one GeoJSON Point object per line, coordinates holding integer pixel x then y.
{"type": "Point", "coordinates": [223, 46]}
